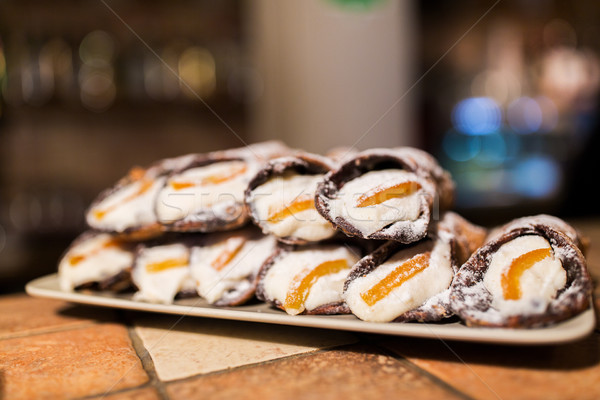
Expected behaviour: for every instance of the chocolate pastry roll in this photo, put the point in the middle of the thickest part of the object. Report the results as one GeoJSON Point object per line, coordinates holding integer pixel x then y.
{"type": "Point", "coordinates": [529, 273]}
{"type": "Point", "coordinates": [386, 194]}
{"type": "Point", "coordinates": [307, 279]}
{"type": "Point", "coordinates": [401, 283]}
{"type": "Point", "coordinates": [128, 207]}
{"type": "Point", "coordinates": [281, 198]}
{"type": "Point", "coordinates": [207, 195]}
{"type": "Point", "coordinates": [225, 266]}
{"type": "Point", "coordinates": [161, 271]}
{"type": "Point", "coordinates": [98, 260]}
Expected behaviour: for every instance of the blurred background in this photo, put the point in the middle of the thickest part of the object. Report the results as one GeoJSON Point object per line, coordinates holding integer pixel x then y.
{"type": "Point", "coordinates": [505, 94]}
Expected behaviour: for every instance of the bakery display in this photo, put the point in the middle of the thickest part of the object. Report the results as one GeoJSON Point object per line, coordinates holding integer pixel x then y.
{"type": "Point", "coordinates": [280, 198]}
{"type": "Point", "coordinates": [531, 272]}
{"type": "Point", "coordinates": [386, 194]}
{"type": "Point", "coordinates": [412, 282]}
{"type": "Point", "coordinates": [369, 233]}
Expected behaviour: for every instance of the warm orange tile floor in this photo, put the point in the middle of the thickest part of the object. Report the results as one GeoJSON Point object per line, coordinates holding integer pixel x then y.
{"type": "Point", "coordinates": [54, 350]}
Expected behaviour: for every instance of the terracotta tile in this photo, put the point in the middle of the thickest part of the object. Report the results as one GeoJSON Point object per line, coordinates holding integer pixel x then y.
{"type": "Point", "coordinates": [147, 393]}
{"type": "Point", "coordinates": [356, 372]}
{"type": "Point", "coordinates": [570, 371]}
{"type": "Point", "coordinates": [68, 364]}
{"type": "Point", "coordinates": [201, 345]}
{"type": "Point", "coordinates": [23, 315]}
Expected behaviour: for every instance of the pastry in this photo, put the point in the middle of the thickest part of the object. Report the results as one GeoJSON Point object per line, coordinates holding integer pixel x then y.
{"type": "Point", "coordinates": [225, 265]}
{"type": "Point", "coordinates": [207, 194]}
{"type": "Point", "coordinates": [127, 208]}
{"type": "Point", "coordinates": [530, 272]}
{"type": "Point", "coordinates": [162, 270]}
{"type": "Point", "coordinates": [386, 194]}
{"type": "Point", "coordinates": [280, 198]}
{"type": "Point", "coordinates": [96, 259]}
{"type": "Point", "coordinates": [307, 279]}
{"type": "Point", "coordinates": [399, 282]}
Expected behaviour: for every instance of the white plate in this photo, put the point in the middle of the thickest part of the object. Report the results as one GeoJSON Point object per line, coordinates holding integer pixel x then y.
{"type": "Point", "coordinates": [573, 329]}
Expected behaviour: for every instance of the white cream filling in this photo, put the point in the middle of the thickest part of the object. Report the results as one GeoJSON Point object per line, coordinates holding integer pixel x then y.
{"type": "Point", "coordinates": [281, 191]}
{"type": "Point", "coordinates": [327, 289]}
{"type": "Point", "coordinates": [410, 294]}
{"type": "Point", "coordinates": [539, 284]}
{"type": "Point", "coordinates": [174, 204]}
{"type": "Point", "coordinates": [126, 209]}
{"type": "Point", "coordinates": [160, 286]}
{"type": "Point", "coordinates": [371, 219]}
{"type": "Point", "coordinates": [100, 262]}
{"type": "Point", "coordinates": [212, 284]}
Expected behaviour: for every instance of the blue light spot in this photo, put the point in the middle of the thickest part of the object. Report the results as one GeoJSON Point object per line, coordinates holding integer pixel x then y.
{"type": "Point", "coordinates": [537, 177]}
{"type": "Point", "coordinates": [524, 115]}
{"type": "Point", "coordinates": [493, 152]}
{"type": "Point", "coordinates": [460, 147]}
{"type": "Point", "coordinates": [477, 116]}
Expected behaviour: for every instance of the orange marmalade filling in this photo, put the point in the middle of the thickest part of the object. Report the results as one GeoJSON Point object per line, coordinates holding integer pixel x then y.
{"type": "Point", "coordinates": [300, 203]}
{"type": "Point", "coordinates": [233, 245]}
{"type": "Point", "coordinates": [215, 179]}
{"type": "Point", "coordinates": [166, 264]}
{"type": "Point", "coordinates": [397, 277]}
{"type": "Point", "coordinates": [145, 185]}
{"type": "Point", "coordinates": [384, 193]}
{"type": "Point", "coordinates": [305, 280]}
{"type": "Point", "coordinates": [512, 275]}
{"type": "Point", "coordinates": [76, 259]}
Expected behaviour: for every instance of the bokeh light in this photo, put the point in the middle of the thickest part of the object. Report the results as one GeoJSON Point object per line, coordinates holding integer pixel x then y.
{"type": "Point", "coordinates": [460, 147]}
{"type": "Point", "coordinates": [493, 151]}
{"type": "Point", "coordinates": [524, 115]}
{"type": "Point", "coordinates": [537, 176]}
{"type": "Point", "coordinates": [477, 116]}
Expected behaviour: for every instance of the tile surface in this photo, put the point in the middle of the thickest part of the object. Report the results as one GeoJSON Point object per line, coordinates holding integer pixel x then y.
{"type": "Point", "coordinates": [147, 393]}
{"type": "Point", "coordinates": [569, 371]}
{"type": "Point", "coordinates": [75, 363]}
{"type": "Point", "coordinates": [23, 315]}
{"type": "Point", "coordinates": [201, 345]}
{"type": "Point", "coordinates": [355, 372]}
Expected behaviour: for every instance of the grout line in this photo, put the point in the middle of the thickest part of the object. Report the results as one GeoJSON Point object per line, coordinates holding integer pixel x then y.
{"type": "Point", "coordinates": [261, 363]}
{"type": "Point", "coordinates": [147, 363]}
{"type": "Point", "coordinates": [43, 331]}
{"type": "Point", "coordinates": [414, 367]}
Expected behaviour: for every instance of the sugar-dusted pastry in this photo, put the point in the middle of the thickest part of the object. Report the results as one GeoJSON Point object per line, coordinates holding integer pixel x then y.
{"type": "Point", "coordinates": [529, 273]}
{"type": "Point", "coordinates": [127, 208]}
{"type": "Point", "coordinates": [96, 259]}
{"type": "Point", "coordinates": [207, 194]}
{"type": "Point", "coordinates": [225, 265]}
{"type": "Point", "coordinates": [387, 194]}
{"type": "Point", "coordinates": [399, 282]}
{"type": "Point", "coordinates": [281, 196]}
{"type": "Point", "coordinates": [161, 271]}
{"type": "Point", "coordinates": [308, 279]}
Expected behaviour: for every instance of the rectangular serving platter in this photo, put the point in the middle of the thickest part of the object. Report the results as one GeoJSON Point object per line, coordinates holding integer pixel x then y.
{"type": "Point", "coordinates": [568, 331]}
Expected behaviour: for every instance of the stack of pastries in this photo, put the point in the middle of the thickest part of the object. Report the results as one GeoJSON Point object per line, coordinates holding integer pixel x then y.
{"type": "Point", "coordinates": [367, 233]}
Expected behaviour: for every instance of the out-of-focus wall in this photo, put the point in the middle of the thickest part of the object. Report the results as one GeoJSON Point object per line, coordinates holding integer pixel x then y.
{"type": "Point", "coordinates": [332, 72]}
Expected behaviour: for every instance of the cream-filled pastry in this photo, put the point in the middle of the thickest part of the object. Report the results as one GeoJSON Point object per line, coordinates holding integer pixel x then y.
{"type": "Point", "coordinates": [281, 199]}
{"type": "Point", "coordinates": [161, 271]}
{"type": "Point", "coordinates": [96, 259]}
{"type": "Point", "coordinates": [529, 273]}
{"type": "Point", "coordinates": [308, 279]}
{"type": "Point", "coordinates": [225, 266]}
{"type": "Point", "coordinates": [385, 194]}
{"type": "Point", "coordinates": [411, 282]}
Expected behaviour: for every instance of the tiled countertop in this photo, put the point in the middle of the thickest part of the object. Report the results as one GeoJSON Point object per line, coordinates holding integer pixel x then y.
{"type": "Point", "coordinates": [54, 350]}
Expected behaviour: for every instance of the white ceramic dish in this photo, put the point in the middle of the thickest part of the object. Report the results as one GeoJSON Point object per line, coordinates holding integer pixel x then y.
{"type": "Point", "coordinates": [571, 330]}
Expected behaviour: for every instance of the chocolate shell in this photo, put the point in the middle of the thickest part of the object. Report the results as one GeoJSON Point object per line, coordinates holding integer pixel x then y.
{"type": "Point", "coordinates": [453, 233]}
{"type": "Point", "coordinates": [434, 194]}
{"type": "Point", "coordinates": [298, 164]}
{"type": "Point", "coordinates": [474, 303]}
